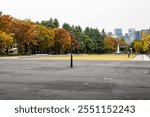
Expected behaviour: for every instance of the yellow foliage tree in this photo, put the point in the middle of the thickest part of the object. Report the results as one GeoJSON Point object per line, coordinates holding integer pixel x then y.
{"type": "Point", "coordinates": [110, 44]}
{"type": "Point", "coordinates": [5, 42]}
{"type": "Point", "coordinates": [146, 46]}
{"type": "Point", "coordinates": [138, 46]}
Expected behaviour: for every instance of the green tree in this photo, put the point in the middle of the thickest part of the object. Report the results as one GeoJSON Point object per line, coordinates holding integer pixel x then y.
{"type": "Point", "coordinates": [50, 23]}
{"type": "Point", "coordinates": [56, 23]}
{"type": "Point", "coordinates": [97, 39]}
{"type": "Point", "coordinates": [88, 44]}
{"type": "Point", "coordinates": [67, 27]}
{"type": "Point", "coordinates": [103, 32]}
{"type": "Point", "coordinates": [78, 35]}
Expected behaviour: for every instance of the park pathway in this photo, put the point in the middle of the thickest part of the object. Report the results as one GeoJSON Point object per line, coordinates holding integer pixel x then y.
{"type": "Point", "coordinates": [141, 58]}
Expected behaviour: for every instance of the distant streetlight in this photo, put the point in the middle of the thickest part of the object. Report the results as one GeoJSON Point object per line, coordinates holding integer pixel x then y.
{"type": "Point", "coordinates": [71, 59]}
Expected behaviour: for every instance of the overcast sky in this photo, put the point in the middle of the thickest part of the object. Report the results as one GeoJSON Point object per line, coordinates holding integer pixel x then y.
{"type": "Point", "coordinates": [108, 14]}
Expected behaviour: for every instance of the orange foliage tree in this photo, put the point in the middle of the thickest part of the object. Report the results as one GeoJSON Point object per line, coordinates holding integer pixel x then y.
{"type": "Point", "coordinates": [62, 41]}
{"type": "Point", "coordinates": [110, 44]}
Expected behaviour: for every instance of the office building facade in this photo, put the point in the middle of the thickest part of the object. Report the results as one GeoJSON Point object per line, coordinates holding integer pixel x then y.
{"type": "Point", "coordinates": [137, 35]}
{"type": "Point", "coordinates": [131, 33]}
{"type": "Point", "coordinates": [118, 32]}
{"type": "Point", "coordinates": [126, 37]}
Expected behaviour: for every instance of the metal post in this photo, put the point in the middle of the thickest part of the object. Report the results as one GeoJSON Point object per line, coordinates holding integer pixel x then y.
{"type": "Point", "coordinates": [71, 59]}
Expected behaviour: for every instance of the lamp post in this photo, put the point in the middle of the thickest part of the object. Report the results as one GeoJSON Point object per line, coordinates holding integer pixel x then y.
{"type": "Point", "coordinates": [71, 59]}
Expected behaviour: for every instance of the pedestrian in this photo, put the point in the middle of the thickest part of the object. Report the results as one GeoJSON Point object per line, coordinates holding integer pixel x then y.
{"type": "Point", "coordinates": [128, 54]}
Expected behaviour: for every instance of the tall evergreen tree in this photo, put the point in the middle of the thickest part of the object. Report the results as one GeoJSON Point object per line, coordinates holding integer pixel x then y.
{"type": "Point", "coordinates": [96, 37]}
{"type": "Point", "coordinates": [67, 27]}
{"type": "Point", "coordinates": [56, 23]}
{"type": "Point", "coordinates": [48, 24]}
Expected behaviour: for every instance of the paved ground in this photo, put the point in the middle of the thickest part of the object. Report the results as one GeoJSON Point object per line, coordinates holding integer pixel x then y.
{"type": "Point", "coordinates": [142, 58]}
{"type": "Point", "coordinates": [48, 79]}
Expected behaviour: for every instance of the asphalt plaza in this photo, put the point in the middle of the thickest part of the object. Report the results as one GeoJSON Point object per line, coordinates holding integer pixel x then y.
{"type": "Point", "coordinates": [27, 79]}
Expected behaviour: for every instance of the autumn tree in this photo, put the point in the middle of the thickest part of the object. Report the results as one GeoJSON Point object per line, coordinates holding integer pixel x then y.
{"type": "Point", "coordinates": [62, 41]}
{"type": "Point", "coordinates": [42, 39]}
{"type": "Point", "coordinates": [6, 42]}
{"type": "Point", "coordinates": [45, 36]}
{"type": "Point", "coordinates": [110, 44]}
{"type": "Point", "coordinates": [124, 47]}
{"type": "Point", "coordinates": [20, 31]}
{"type": "Point", "coordinates": [146, 46]}
{"type": "Point", "coordinates": [122, 41]}
{"type": "Point", "coordinates": [144, 35]}
{"type": "Point", "coordinates": [6, 23]}
{"type": "Point", "coordinates": [138, 46]}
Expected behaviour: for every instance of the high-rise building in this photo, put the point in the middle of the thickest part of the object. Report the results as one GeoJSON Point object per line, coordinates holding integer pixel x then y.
{"type": "Point", "coordinates": [131, 33]}
{"type": "Point", "coordinates": [0, 13]}
{"type": "Point", "coordinates": [146, 31]}
{"type": "Point", "coordinates": [137, 35]}
{"type": "Point", "coordinates": [126, 37]}
{"type": "Point", "coordinates": [118, 32]}
{"type": "Point", "coordinates": [109, 33]}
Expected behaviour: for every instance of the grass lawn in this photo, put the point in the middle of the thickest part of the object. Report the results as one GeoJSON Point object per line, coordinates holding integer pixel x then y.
{"type": "Point", "coordinates": [90, 57]}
